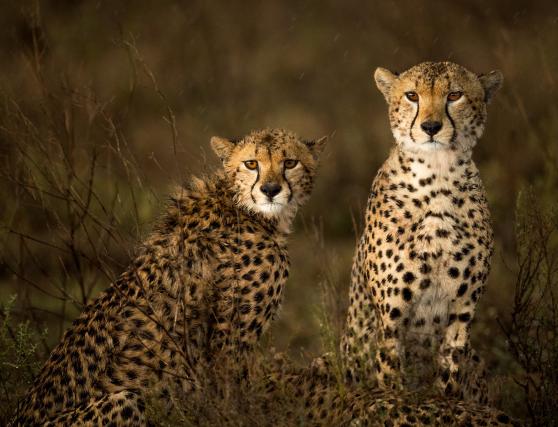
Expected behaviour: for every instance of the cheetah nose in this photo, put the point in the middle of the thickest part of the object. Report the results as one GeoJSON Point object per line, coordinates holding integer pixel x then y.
{"type": "Point", "coordinates": [431, 127]}
{"type": "Point", "coordinates": [270, 189]}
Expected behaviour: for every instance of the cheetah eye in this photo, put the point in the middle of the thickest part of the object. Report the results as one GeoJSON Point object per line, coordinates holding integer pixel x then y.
{"type": "Point", "coordinates": [289, 163]}
{"type": "Point", "coordinates": [412, 96]}
{"type": "Point", "coordinates": [251, 164]}
{"type": "Point", "coordinates": [454, 96]}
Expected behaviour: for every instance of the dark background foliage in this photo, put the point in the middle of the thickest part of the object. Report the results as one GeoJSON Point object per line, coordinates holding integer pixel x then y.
{"type": "Point", "coordinates": [109, 103]}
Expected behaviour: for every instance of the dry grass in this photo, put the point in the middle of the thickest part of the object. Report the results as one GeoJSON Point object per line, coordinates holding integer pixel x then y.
{"type": "Point", "coordinates": [105, 105]}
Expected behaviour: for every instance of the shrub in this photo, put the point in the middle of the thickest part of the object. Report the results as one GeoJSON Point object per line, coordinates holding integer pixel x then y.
{"type": "Point", "coordinates": [533, 330]}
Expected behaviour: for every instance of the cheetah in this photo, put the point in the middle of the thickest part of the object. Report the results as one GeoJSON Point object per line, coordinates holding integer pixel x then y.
{"type": "Point", "coordinates": [326, 400]}
{"type": "Point", "coordinates": [206, 283]}
{"type": "Point", "coordinates": [424, 255]}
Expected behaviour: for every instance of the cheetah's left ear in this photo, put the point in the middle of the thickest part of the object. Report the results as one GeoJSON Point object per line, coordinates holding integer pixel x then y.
{"type": "Point", "coordinates": [491, 82]}
{"type": "Point", "coordinates": [222, 147]}
{"type": "Point", "coordinates": [316, 146]}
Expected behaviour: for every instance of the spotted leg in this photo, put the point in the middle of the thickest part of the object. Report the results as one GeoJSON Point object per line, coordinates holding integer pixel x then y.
{"type": "Point", "coordinates": [358, 343]}
{"type": "Point", "coordinates": [388, 356]}
{"type": "Point", "coordinates": [462, 372]}
{"type": "Point", "coordinates": [121, 409]}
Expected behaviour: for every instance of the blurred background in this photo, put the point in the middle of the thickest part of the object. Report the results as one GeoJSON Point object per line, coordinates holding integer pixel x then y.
{"type": "Point", "coordinates": [111, 103]}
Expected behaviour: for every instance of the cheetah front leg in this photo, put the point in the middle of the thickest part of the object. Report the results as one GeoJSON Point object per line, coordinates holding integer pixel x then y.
{"type": "Point", "coordinates": [461, 371]}
{"type": "Point", "coordinates": [360, 335]}
{"type": "Point", "coordinates": [388, 355]}
{"type": "Point", "coordinates": [358, 345]}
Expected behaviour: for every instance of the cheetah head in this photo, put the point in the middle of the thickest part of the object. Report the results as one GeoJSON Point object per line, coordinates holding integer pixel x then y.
{"type": "Point", "coordinates": [437, 105]}
{"type": "Point", "coordinates": [271, 171]}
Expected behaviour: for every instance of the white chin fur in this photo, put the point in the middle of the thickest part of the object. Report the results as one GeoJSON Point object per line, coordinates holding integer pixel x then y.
{"type": "Point", "coordinates": [425, 146]}
{"type": "Point", "coordinates": [270, 208]}
{"type": "Point", "coordinates": [433, 146]}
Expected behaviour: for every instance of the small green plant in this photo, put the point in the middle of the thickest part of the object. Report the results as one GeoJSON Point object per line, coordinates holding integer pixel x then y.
{"type": "Point", "coordinates": [19, 358]}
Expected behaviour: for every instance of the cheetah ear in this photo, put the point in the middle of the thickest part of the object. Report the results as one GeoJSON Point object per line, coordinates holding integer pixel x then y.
{"type": "Point", "coordinates": [384, 80]}
{"type": "Point", "coordinates": [316, 146]}
{"type": "Point", "coordinates": [222, 147]}
{"type": "Point", "coordinates": [491, 82]}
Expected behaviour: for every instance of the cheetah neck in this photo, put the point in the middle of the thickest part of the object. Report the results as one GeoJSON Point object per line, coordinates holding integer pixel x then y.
{"type": "Point", "coordinates": [280, 223]}
{"type": "Point", "coordinates": [285, 220]}
{"type": "Point", "coordinates": [219, 188]}
{"type": "Point", "coordinates": [435, 167]}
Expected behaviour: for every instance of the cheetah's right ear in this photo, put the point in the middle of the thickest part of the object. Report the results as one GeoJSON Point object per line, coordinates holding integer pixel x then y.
{"type": "Point", "coordinates": [316, 146]}
{"type": "Point", "coordinates": [384, 80]}
{"type": "Point", "coordinates": [222, 147]}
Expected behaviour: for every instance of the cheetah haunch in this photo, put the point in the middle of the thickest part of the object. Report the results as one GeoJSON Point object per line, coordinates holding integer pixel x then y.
{"type": "Point", "coordinates": [327, 401]}
{"type": "Point", "coordinates": [424, 255]}
{"type": "Point", "coordinates": [207, 282]}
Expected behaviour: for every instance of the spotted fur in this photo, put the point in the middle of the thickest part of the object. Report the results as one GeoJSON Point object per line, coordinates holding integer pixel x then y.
{"type": "Point", "coordinates": [327, 402]}
{"type": "Point", "coordinates": [205, 284]}
{"type": "Point", "coordinates": [424, 256]}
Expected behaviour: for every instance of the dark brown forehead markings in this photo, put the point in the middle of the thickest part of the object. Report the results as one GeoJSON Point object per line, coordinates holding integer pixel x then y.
{"type": "Point", "coordinates": [448, 83]}
{"type": "Point", "coordinates": [270, 139]}
{"type": "Point", "coordinates": [429, 73]}
{"type": "Point", "coordinates": [268, 145]}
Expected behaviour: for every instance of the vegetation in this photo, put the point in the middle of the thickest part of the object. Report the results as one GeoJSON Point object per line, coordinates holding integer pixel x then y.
{"type": "Point", "coordinates": [533, 331]}
{"type": "Point", "coordinates": [105, 105]}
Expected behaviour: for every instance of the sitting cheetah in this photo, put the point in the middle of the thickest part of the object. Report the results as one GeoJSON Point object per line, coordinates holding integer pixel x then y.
{"type": "Point", "coordinates": [424, 255]}
{"type": "Point", "coordinates": [207, 282]}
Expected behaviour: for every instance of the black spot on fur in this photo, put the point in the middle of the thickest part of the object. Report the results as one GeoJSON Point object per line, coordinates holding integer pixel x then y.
{"type": "Point", "coordinates": [407, 294]}
{"type": "Point", "coordinates": [425, 268]}
{"type": "Point", "coordinates": [464, 317]}
{"type": "Point", "coordinates": [408, 277]}
{"type": "Point", "coordinates": [453, 272]}
{"type": "Point", "coordinates": [425, 283]}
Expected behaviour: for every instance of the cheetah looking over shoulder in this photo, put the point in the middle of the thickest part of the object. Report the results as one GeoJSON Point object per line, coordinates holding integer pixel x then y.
{"type": "Point", "coordinates": [424, 255]}
{"type": "Point", "coordinates": [207, 282]}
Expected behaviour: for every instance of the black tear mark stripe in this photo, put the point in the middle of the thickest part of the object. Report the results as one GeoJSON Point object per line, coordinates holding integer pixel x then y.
{"type": "Point", "coordinates": [256, 181]}
{"type": "Point", "coordinates": [288, 184]}
{"type": "Point", "coordinates": [254, 184]}
{"type": "Point", "coordinates": [454, 132]}
{"type": "Point", "coordinates": [413, 122]}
